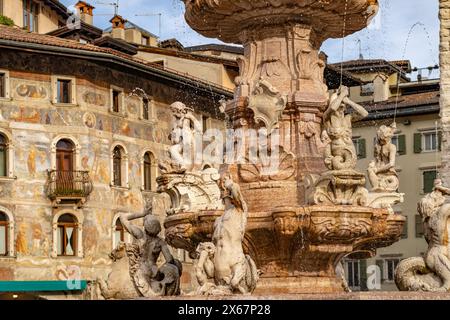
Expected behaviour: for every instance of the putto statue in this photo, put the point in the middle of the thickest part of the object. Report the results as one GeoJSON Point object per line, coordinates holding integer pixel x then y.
{"type": "Point", "coordinates": [431, 273]}
{"type": "Point", "coordinates": [382, 174]}
{"type": "Point", "coordinates": [342, 184]}
{"type": "Point", "coordinates": [223, 259]}
{"type": "Point", "coordinates": [144, 277]}
{"type": "Point", "coordinates": [185, 129]}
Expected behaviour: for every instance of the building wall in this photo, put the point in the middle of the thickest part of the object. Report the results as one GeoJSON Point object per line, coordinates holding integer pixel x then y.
{"type": "Point", "coordinates": [410, 167]}
{"type": "Point", "coordinates": [34, 123]}
{"type": "Point", "coordinates": [444, 14]}
{"type": "Point", "coordinates": [212, 72]}
{"type": "Point", "coordinates": [47, 18]}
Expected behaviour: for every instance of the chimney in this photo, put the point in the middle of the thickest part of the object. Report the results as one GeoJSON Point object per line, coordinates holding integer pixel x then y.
{"type": "Point", "coordinates": [85, 12]}
{"type": "Point", "coordinates": [118, 27]}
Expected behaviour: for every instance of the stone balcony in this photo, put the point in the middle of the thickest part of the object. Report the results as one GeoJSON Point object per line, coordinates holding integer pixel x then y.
{"type": "Point", "coordinates": [68, 187]}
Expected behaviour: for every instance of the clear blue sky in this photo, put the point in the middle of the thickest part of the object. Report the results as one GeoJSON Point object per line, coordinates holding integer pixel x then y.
{"type": "Point", "coordinates": [385, 39]}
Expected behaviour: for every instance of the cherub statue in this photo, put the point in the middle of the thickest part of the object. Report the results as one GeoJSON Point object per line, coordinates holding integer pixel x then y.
{"type": "Point", "coordinates": [224, 258]}
{"type": "Point", "coordinates": [185, 128]}
{"type": "Point", "coordinates": [382, 174]}
{"type": "Point", "coordinates": [340, 152]}
{"type": "Point", "coordinates": [431, 273]}
{"type": "Point", "coordinates": [148, 278]}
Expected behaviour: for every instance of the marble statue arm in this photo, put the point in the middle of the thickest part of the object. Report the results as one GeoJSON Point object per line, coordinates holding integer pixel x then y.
{"type": "Point", "coordinates": [197, 126]}
{"type": "Point", "coordinates": [335, 101]}
{"type": "Point", "coordinates": [443, 190]}
{"type": "Point", "coordinates": [361, 113]}
{"type": "Point", "coordinates": [126, 218]}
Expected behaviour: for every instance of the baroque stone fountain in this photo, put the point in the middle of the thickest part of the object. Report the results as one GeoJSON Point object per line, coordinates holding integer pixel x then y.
{"type": "Point", "coordinates": [314, 209]}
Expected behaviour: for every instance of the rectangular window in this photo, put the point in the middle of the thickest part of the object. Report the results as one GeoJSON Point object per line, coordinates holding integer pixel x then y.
{"type": "Point", "coordinates": [145, 41]}
{"type": "Point", "coordinates": [429, 141]}
{"type": "Point", "coordinates": [64, 91]}
{"type": "Point", "coordinates": [353, 274]}
{"type": "Point", "coordinates": [116, 101]}
{"type": "Point", "coordinates": [360, 147]}
{"type": "Point", "coordinates": [391, 264]}
{"type": "Point", "coordinates": [145, 109]}
{"type": "Point", "coordinates": [428, 180]}
{"type": "Point", "coordinates": [3, 240]}
{"type": "Point", "coordinates": [205, 123]}
{"type": "Point", "coordinates": [2, 85]}
{"type": "Point", "coordinates": [30, 15]}
{"type": "Point", "coordinates": [419, 226]}
{"type": "Point", "coordinates": [405, 230]}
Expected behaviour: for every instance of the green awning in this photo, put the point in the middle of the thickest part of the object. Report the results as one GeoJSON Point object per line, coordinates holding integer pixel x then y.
{"type": "Point", "coordinates": [42, 286]}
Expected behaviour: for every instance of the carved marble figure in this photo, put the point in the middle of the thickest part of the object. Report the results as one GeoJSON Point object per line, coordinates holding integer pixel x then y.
{"type": "Point", "coordinates": [141, 258]}
{"type": "Point", "coordinates": [432, 272]}
{"type": "Point", "coordinates": [223, 259]}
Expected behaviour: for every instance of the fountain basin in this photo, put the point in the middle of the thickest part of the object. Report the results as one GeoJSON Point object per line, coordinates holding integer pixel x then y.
{"type": "Point", "coordinates": [297, 248]}
{"type": "Point", "coordinates": [226, 19]}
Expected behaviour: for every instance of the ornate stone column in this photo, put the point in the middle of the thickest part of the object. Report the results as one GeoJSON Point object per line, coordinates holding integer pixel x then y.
{"type": "Point", "coordinates": [444, 15]}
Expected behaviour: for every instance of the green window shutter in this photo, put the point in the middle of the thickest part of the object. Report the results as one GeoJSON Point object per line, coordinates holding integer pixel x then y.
{"type": "Point", "coordinates": [362, 148]}
{"type": "Point", "coordinates": [417, 142]}
{"type": "Point", "coordinates": [440, 140]}
{"type": "Point", "coordinates": [380, 264]}
{"type": "Point", "coordinates": [401, 144]}
{"type": "Point", "coordinates": [405, 230]}
{"type": "Point", "coordinates": [428, 181]}
{"type": "Point", "coordinates": [3, 172]}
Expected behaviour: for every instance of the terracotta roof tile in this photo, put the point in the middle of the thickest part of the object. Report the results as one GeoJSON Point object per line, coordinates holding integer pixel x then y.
{"type": "Point", "coordinates": [406, 101]}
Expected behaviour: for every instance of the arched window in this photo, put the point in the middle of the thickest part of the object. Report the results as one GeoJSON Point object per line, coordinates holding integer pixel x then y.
{"type": "Point", "coordinates": [148, 168]}
{"type": "Point", "coordinates": [4, 234]}
{"type": "Point", "coordinates": [3, 156]}
{"type": "Point", "coordinates": [67, 235]}
{"type": "Point", "coordinates": [119, 233]}
{"type": "Point", "coordinates": [117, 165]}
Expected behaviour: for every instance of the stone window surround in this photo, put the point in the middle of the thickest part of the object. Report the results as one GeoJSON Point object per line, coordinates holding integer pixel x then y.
{"type": "Point", "coordinates": [7, 96]}
{"type": "Point", "coordinates": [124, 165]}
{"type": "Point", "coordinates": [80, 219]}
{"type": "Point", "coordinates": [76, 153]}
{"type": "Point", "coordinates": [154, 172]}
{"type": "Point", "coordinates": [151, 109]}
{"type": "Point", "coordinates": [11, 236]}
{"type": "Point", "coordinates": [9, 156]}
{"type": "Point", "coordinates": [127, 235]}
{"type": "Point", "coordinates": [122, 110]}
{"type": "Point", "coordinates": [73, 93]}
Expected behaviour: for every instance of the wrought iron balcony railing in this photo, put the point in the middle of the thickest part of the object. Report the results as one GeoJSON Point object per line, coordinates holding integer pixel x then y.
{"type": "Point", "coordinates": [68, 185]}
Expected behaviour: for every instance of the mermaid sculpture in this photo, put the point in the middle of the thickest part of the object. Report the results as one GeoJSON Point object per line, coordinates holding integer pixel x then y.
{"type": "Point", "coordinates": [223, 259]}
{"type": "Point", "coordinates": [431, 273]}
{"type": "Point", "coordinates": [144, 278]}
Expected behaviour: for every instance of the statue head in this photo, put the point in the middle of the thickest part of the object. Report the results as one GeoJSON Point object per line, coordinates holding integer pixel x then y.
{"type": "Point", "coordinates": [179, 109]}
{"type": "Point", "coordinates": [152, 225]}
{"type": "Point", "coordinates": [385, 134]}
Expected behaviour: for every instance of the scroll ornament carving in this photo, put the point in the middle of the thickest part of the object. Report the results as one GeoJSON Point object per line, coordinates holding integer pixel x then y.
{"type": "Point", "coordinates": [267, 104]}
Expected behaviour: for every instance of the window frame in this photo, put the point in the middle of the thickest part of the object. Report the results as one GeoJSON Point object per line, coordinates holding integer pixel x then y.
{"type": "Point", "coordinates": [424, 171]}
{"type": "Point", "coordinates": [418, 222]}
{"type": "Point", "coordinates": [117, 171]}
{"type": "Point", "coordinates": [6, 85]}
{"type": "Point", "coordinates": [77, 214]}
{"type": "Point", "coordinates": [63, 245]}
{"type": "Point", "coordinates": [5, 224]}
{"type": "Point", "coordinates": [358, 273]}
{"type": "Point", "coordinates": [153, 172]}
{"type": "Point", "coordinates": [124, 167]}
{"type": "Point", "coordinates": [387, 262]}
{"type": "Point", "coordinates": [56, 89]}
{"type": "Point", "coordinates": [426, 134]}
{"type": "Point", "coordinates": [28, 24]}
{"type": "Point", "coordinates": [120, 99]}
{"type": "Point", "coordinates": [10, 227]}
